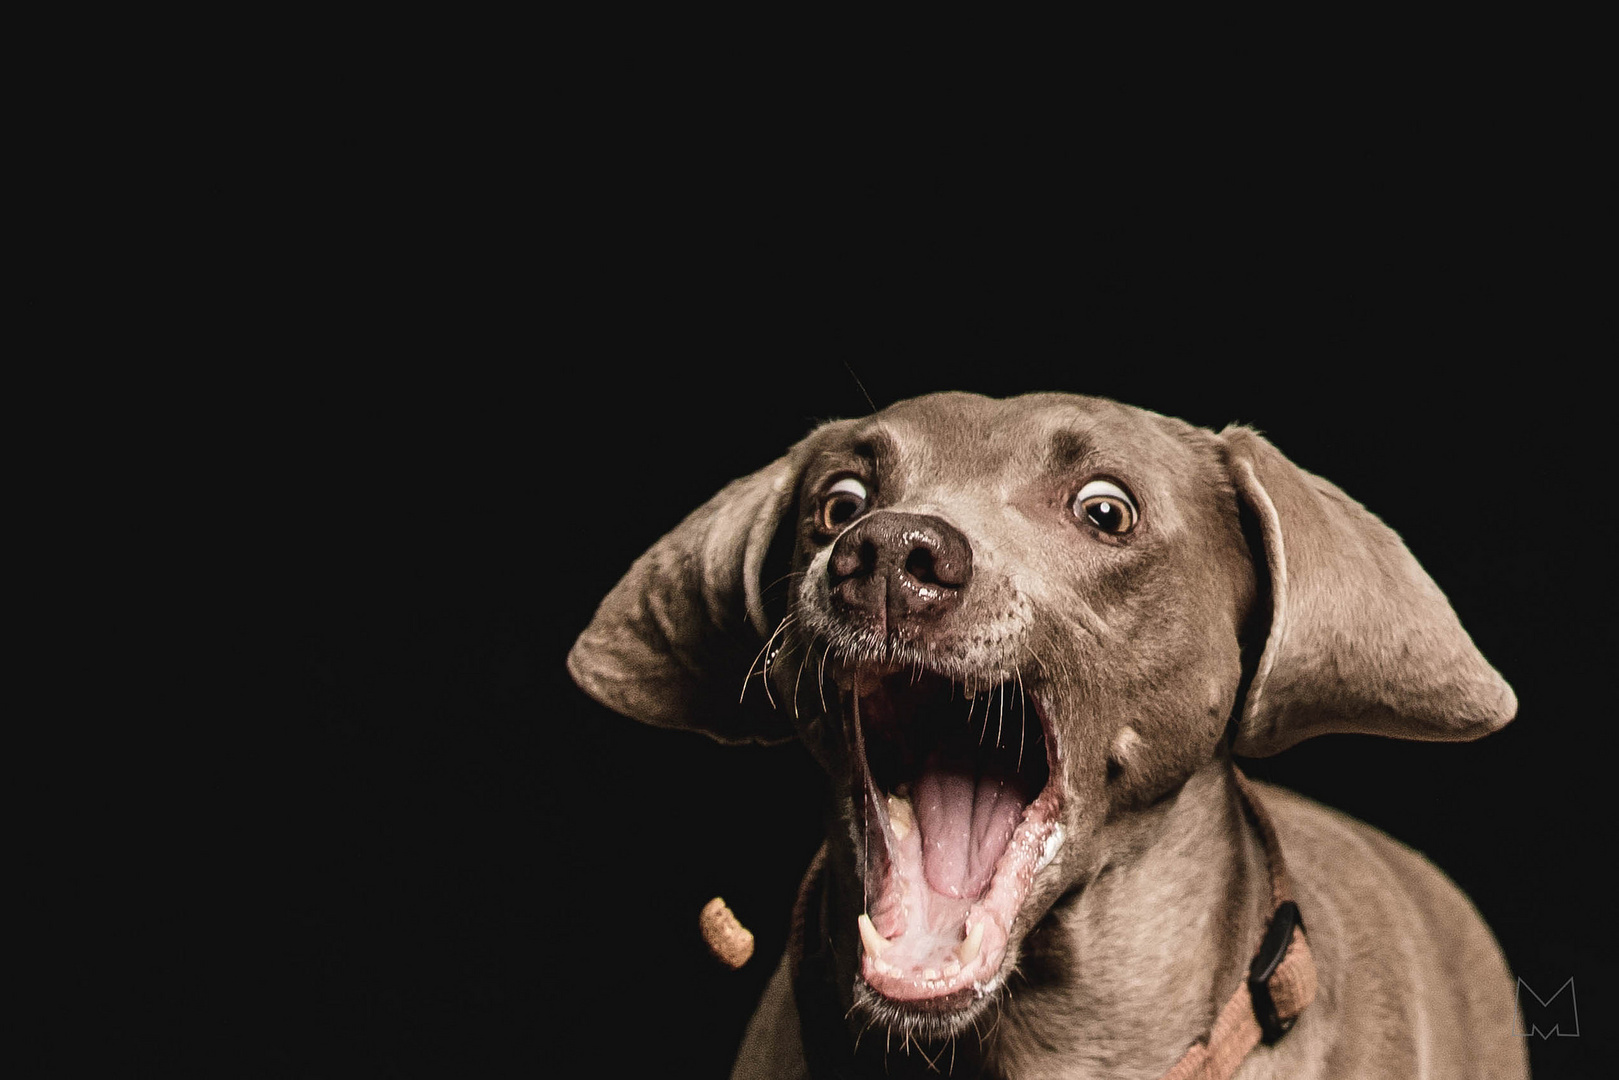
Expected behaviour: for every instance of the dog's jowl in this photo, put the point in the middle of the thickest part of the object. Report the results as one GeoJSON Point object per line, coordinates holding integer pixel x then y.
{"type": "Point", "coordinates": [1027, 640]}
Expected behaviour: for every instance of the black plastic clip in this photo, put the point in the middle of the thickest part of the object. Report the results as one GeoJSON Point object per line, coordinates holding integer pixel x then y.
{"type": "Point", "coordinates": [1278, 936]}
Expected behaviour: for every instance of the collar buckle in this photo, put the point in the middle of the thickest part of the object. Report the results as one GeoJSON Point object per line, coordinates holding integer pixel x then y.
{"type": "Point", "coordinates": [1278, 937]}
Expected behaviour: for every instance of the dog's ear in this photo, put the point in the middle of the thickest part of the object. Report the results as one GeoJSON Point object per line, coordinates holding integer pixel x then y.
{"type": "Point", "coordinates": [673, 643]}
{"type": "Point", "coordinates": [1361, 639]}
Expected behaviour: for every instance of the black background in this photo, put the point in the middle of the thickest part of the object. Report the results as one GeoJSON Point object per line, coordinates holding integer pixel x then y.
{"type": "Point", "coordinates": [494, 393]}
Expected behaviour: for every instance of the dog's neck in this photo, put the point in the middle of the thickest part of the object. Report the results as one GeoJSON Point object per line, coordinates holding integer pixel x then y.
{"type": "Point", "coordinates": [1123, 974]}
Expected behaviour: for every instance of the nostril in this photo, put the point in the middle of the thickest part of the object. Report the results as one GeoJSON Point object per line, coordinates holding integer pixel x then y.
{"type": "Point", "coordinates": [938, 561]}
{"type": "Point", "coordinates": [868, 557]}
{"type": "Point", "coordinates": [919, 564]}
{"type": "Point", "coordinates": [854, 559]}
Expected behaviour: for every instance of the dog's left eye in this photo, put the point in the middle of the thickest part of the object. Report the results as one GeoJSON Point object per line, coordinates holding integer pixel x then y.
{"type": "Point", "coordinates": [842, 503]}
{"type": "Point", "coordinates": [1105, 505]}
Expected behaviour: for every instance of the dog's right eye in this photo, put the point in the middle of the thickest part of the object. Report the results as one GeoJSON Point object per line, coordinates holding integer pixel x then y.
{"type": "Point", "coordinates": [842, 503]}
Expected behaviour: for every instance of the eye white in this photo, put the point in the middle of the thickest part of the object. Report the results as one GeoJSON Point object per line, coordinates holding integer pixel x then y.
{"type": "Point", "coordinates": [1102, 487]}
{"type": "Point", "coordinates": [848, 486]}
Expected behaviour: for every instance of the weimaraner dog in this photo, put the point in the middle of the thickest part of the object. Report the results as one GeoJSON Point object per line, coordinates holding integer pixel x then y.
{"type": "Point", "coordinates": [1026, 639]}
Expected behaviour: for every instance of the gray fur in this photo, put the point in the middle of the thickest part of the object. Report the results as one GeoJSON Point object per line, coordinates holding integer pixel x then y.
{"type": "Point", "coordinates": [1253, 606]}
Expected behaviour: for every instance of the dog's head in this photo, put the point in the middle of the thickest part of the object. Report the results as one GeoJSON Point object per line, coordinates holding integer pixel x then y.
{"type": "Point", "coordinates": [1003, 626]}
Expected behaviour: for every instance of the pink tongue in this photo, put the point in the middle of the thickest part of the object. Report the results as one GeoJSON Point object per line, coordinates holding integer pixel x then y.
{"type": "Point", "coordinates": [966, 821]}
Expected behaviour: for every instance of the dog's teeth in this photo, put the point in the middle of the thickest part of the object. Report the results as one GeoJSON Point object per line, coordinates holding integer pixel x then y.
{"type": "Point", "coordinates": [930, 973]}
{"type": "Point", "coordinates": [883, 967]}
{"type": "Point", "coordinates": [900, 816]}
{"type": "Point", "coordinates": [952, 968]}
{"type": "Point", "coordinates": [875, 943]}
{"type": "Point", "coordinates": [1048, 850]}
{"type": "Point", "coordinates": [975, 941]}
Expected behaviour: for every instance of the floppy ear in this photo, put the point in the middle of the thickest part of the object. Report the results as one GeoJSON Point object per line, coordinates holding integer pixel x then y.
{"type": "Point", "coordinates": [1361, 639]}
{"type": "Point", "coordinates": [672, 644]}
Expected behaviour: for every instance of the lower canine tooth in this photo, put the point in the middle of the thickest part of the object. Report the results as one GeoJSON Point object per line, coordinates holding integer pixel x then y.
{"type": "Point", "coordinates": [875, 943]}
{"type": "Point", "coordinates": [969, 948]}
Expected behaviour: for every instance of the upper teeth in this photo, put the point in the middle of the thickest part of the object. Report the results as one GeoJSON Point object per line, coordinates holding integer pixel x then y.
{"type": "Point", "coordinates": [900, 816]}
{"type": "Point", "coordinates": [1048, 850]}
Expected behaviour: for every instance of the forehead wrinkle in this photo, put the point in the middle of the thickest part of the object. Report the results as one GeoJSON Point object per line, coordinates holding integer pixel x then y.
{"type": "Point", "coordinates": [970, 449]}
{"type": "Point", "coordinates": [873, 436]}
{"type": "Point", "coordinates": [917, 455]}
{"type": "Point", "coordinates": [870, 441]}
{"type": "Point", "coordinates": [1069, 448]}
{"type": "Point", "coordinates": [969, 442]}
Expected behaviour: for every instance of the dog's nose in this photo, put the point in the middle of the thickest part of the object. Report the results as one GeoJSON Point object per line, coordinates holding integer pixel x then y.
{"type": "Point", "coordinates": [892, 566]}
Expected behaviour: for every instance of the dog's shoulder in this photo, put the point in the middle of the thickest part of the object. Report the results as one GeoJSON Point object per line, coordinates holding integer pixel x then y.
{"type": "Point", "coordinates": [772, 1048]}
{"type": "Point", "coordinates": [1337, 859]}
{"type": "Point", "coordinates": [1401, 952]}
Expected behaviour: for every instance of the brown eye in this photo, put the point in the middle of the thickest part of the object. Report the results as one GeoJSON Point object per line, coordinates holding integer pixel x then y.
{"type": "Point", "coordinates": [843, 502]}
{"type": "Point", "coordinates": [1105, 505]}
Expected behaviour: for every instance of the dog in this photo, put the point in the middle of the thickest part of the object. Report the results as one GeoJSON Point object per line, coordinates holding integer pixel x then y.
{"type": "Point", "coordinates": [1026, 639]}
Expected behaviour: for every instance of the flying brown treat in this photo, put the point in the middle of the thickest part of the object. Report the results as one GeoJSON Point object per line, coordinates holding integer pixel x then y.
{"type": "Point", "coordinates": [727, 939]}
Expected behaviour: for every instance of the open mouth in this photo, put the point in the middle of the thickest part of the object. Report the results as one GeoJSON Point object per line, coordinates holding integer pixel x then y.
{"type": "Point", "coordinates": [959, 818]}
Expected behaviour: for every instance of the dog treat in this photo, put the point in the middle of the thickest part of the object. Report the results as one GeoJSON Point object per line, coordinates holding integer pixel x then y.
{"type": "Point", "coordinates": [727, 939]}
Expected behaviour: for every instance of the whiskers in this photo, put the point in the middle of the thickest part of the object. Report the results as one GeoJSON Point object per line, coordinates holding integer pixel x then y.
{"type": "Point", "coordinates": [768, 654]}
{"type": "Point", "coordinates": [780, 645]}
{"type": "Point", "coordinates": [930, 1035]}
